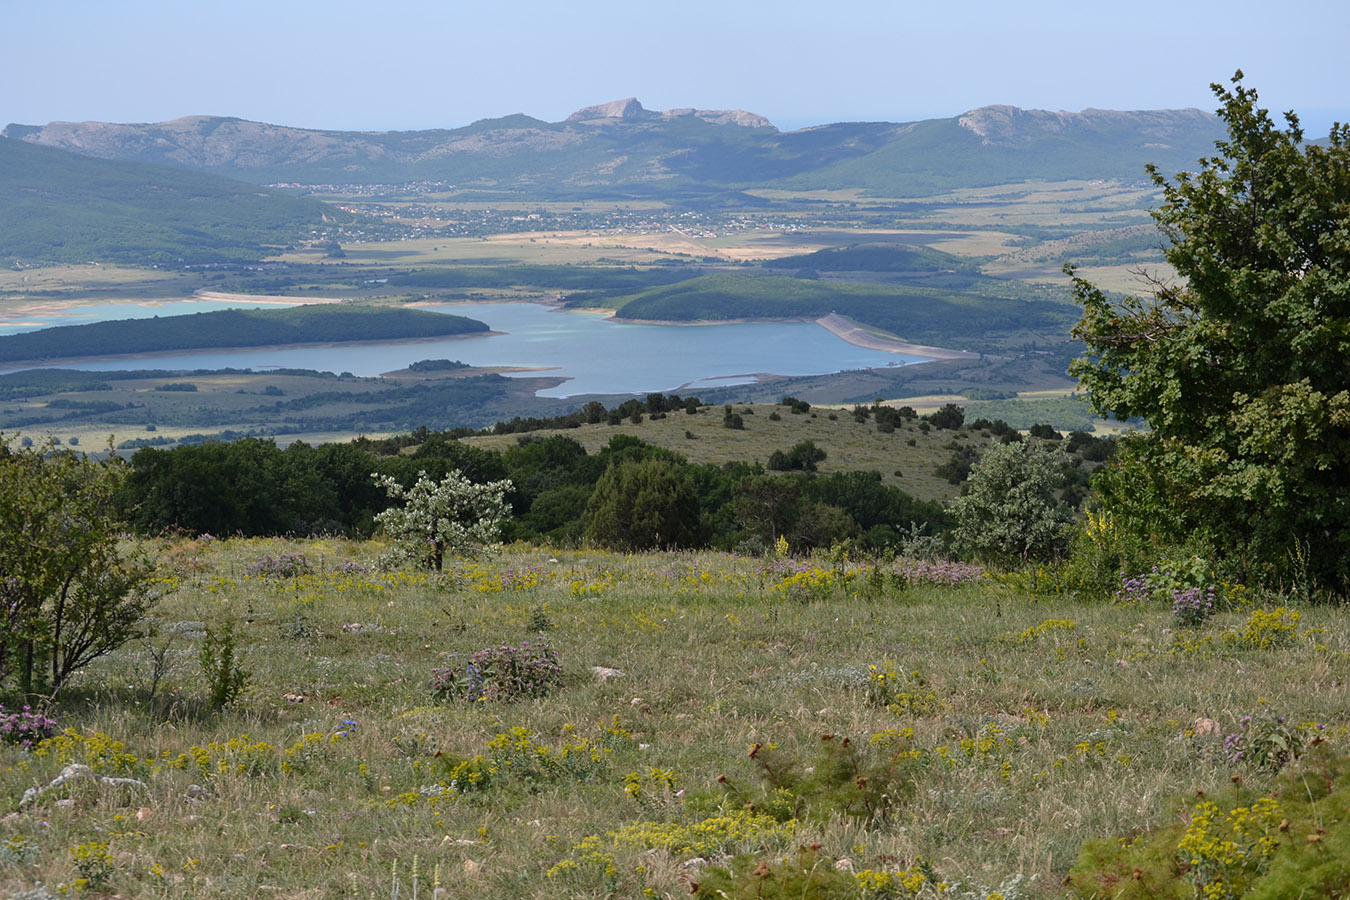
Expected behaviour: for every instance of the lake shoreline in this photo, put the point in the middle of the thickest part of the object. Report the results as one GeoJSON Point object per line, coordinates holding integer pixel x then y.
{"type": "Point", "coordinates": [854, 334]}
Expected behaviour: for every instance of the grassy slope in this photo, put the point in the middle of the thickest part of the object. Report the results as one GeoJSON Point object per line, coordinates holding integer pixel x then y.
{"type": "Point", "coordinates": [60, 207]}
{"type": "Point", "coordinates": [850, 445]}
{"type": "Point", "coordinates": [1052, 736]}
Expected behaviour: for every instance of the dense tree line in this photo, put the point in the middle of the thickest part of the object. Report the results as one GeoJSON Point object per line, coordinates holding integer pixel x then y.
{"type": "Point", "coordinates": [628, 495]}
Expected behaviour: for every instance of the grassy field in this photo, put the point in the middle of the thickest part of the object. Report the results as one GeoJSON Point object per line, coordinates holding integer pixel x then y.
{"type": "Point", "coordinates": [906, 457]}
{"type": "Point", "coordinates": [1000, 728]}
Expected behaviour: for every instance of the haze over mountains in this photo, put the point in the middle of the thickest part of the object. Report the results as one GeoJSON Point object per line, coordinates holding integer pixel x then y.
{"type": "Point", "coordinates": [622, 149]}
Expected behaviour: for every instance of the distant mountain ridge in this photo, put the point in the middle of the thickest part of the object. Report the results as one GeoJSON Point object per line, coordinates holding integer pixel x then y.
{"type": "Point", "coordinates": [622, 148]}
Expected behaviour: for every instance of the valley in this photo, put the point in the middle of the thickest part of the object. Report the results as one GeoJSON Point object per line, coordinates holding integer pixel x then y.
{"type": "Point", "coordinates": [966, 275]}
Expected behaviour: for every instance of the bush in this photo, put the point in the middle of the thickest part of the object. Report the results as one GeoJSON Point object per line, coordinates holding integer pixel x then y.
{"type": "Point", "coordinates": [1294, 842]}
{"type": "Point", "coordinates": [804, 456]}
{"type": "Point", "coordinates": [1011, 513]}
{"type": "Point", "coordinates": [283, 565]}
{"type": "Point", "coordinates": [68, 593]}
{"type": "Point", "coordinates": [864, 782]}
{"type": "Point", "coordinates": [501, 673]}
{"type": "Point", "coordinates": [949, 416]}
{"type": "Point", "coordinates": [644, 505]}
{"type": "Point", "coordinates": [25, 727]}
{"type": "Point", "coordinates": [219, 658]}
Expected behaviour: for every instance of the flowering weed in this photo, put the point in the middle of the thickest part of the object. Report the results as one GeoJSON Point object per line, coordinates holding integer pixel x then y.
{"type": "Point", "coordinates": [501, 673]}
{"type": "Point", "coordinates": [25, 727]}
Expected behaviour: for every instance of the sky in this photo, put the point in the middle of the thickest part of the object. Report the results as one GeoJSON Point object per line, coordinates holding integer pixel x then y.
{"type": "Point", "coordinates": [411, 64]}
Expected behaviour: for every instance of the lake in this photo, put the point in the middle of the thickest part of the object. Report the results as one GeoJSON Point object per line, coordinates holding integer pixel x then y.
{"type": "Point", "coordinates": [596, 355]}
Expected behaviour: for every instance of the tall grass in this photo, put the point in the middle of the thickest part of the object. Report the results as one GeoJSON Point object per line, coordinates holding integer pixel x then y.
{"type": "Point", "coordinates": [1037, 724]}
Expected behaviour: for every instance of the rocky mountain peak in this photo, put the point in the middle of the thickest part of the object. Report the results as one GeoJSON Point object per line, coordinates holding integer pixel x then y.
{"type": "Point", "coordinates": [614, 109]}
{"type": "Point", "coordinates": [632, 109]}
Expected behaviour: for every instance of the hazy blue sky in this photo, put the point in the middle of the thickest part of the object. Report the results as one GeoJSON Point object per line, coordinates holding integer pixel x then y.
{"type": "Point", "coordinates": [397, 64]}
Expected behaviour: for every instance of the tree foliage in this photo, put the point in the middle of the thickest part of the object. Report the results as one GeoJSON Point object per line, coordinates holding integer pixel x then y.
{"type": "Point", "coordinates": [644, 505]}
{"type": "Point", "coordinates": [454, 516]}
{"type": "Point", "coordinates": [68, 593]}
{"type": "Point", "coordinates": [1011, 512]}
{"type": "Point", "coordinates": [1240, 366]}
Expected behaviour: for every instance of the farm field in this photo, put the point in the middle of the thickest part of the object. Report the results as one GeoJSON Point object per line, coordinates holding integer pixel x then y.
{"type": "Point", "coordinates": [996, 727]}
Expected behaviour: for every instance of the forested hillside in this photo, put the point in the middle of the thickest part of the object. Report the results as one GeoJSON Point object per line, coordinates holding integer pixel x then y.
{"type": "Point", "coordinates": [233, 328]}
{"type": "Point", "coordinates": [57, 206]}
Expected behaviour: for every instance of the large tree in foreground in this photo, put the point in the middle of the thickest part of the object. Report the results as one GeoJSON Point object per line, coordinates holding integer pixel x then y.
{"type": "Point", "coordinates": [1242, 366]}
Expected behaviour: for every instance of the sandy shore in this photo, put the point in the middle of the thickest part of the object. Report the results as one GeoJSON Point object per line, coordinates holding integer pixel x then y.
{"type": "Point", "coordinates": [266, 298]}
{"type": "Point", "coordinates": [845, 330]}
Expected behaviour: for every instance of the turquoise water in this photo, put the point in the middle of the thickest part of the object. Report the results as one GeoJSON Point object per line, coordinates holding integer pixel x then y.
{"type": "Point", "coordinates": [595, 355]}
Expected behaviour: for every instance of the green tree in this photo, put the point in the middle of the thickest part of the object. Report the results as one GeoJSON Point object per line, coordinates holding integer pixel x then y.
{"type": "Point", "coordinates": [804, 456]}
{"type": "Point", "coordinates": [1011, 513]}
{"type": "Point", "coordinates": [69, 593]}
{"type": "Point", "coordinates": [454, 516]}
{"type": "Point", "coordinates": [949, 416]}
{"type": "Point", "coordinates": [644, 505]}
{"type": "Point", "coordinates": [1239, 366]}
{"type": "Point", "coordinates": [767, 506]}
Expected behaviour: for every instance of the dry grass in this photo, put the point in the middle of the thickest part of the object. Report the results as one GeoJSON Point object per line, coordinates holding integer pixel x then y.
{"type": "Point", "coordinates": [850, 445]}
{"type": "Point", "coordinates": [1051, 735]}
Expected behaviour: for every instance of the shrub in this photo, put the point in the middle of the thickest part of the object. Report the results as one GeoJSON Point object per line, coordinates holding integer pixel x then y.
{"type": "Point", "coordinates": [1265, 629]}
{"type": "Point", "coordinates": [25, 727]}
{"type": "Point", "coordinates": [68, 593]}
{"type": "Point", "coordinates": [219, 658]}
{"type": "Point", "coordinates": [283, 565]}
{"type": "Point", "coordinates": [644, 505]}
{"type": "Point", "coordinates": [1192, 606]}
{"type": "Point", "coordinates": [810, 875]}
{"type": "Point", "coordinates": [866, 782]}
{"type": "Point", "coordinates": [1294, 842]}
{"type": "Point", "coordinates": [1265, 742]}
{"type": "Point", "coordinates": [1011, 513]}
{"type": "Point", "coordinates": [501, 673]}
{"type": "Point", "coordinates": [949, 416]}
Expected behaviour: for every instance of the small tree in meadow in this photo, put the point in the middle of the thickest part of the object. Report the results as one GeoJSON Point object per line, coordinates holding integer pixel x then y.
{"type": "Point", "coordinates": [453, 517]}
{"type": "Point", "coordinates": [1011, 513]}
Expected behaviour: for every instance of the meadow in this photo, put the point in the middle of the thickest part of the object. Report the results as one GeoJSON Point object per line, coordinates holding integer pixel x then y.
{"type": "Point", "coordinates": [702, 709]}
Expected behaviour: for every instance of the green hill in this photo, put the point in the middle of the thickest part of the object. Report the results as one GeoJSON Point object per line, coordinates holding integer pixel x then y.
{"type": "Point", "coordinates": [233, 328]}
{"type": "Point", "coordinates": [919, 314]}
{"type": "Point", "coordinates": [61, 207]}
